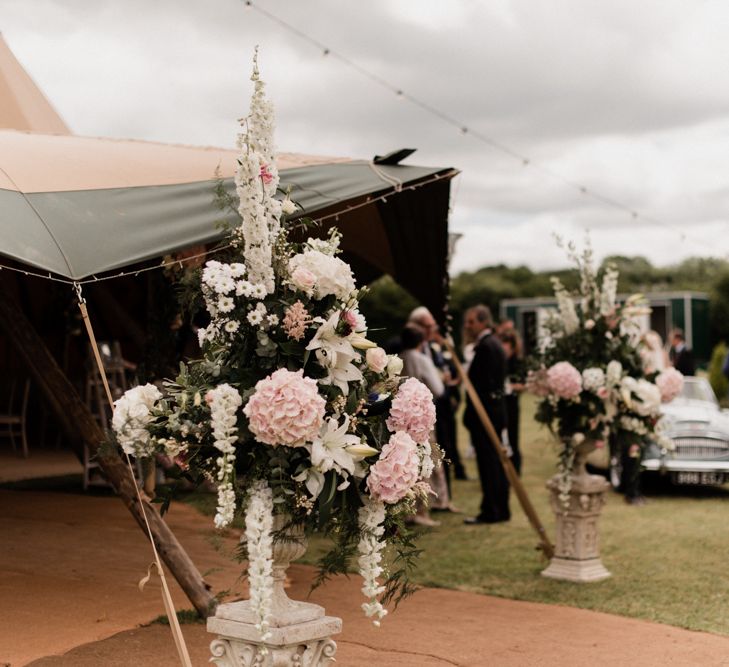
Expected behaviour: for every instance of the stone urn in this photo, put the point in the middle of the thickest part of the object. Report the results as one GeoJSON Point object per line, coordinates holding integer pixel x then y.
{"type": "Point", "coordinates": [300, 631]}
{"type": "Point", "coordinates": [577, 549]}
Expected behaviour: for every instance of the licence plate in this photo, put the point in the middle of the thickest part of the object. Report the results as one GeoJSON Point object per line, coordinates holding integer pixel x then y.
{"type": "Point", "coordinates": [691, 477]}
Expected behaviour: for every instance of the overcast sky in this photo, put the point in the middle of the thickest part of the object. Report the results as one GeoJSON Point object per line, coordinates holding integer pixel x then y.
{"type": "Point", "coordinates": [626, 98]}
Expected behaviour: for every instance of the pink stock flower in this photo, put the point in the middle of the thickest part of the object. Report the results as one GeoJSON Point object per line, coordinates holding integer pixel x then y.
{"type": "Point", "coordinates": [564, 380]}
{"type": "Point", "coordinates": [296, 320]}
{"type": "Point", "coordinates": [413, 410]}
{"type": "Point", "coordinates": [286, 409]}
{"type": "Point", "coordinates": [397, 469]}
{"type": "Point", "coordinates": [266, 175]}
{"type": "Point", "coordinates": [670, 382]}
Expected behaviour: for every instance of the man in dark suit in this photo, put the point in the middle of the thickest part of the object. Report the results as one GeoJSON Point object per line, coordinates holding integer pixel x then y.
{"type": "Point", "coordinates": [487, 372]}
{"type": "Point", "coordinates": [680, 355]}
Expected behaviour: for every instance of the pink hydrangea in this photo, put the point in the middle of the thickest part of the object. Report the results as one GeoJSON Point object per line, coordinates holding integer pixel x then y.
{"type": "Point", "coordinates": [564, 380]}
{"type": "Point", "coordinates": [397, 469]}
{"type": "Point", "coordinates": [670, 382]}
{"type": "Point", "coordinates": [413, 410]}
{"type": "Point", "coordinates": [286, 409]}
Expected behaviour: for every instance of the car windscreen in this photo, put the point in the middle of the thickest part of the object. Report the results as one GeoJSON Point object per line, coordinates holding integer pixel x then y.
{"type": "Point", "coordinates": [698, 390]}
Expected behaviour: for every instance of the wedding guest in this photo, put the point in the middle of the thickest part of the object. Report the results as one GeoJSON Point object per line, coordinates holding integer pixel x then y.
{"type": "Point", "coordinates": [514, 386]}
{"type": "Point", "coordinates": [487, 374]}
{"type": "Point", "coordinates": [680, 355]}
{"type": "Point", "coordinates": [447, 404]}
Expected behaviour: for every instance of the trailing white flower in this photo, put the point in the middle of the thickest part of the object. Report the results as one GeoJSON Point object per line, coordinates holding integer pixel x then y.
{"type": "Point", "coordinates": [259, 540]}
{"type": "Point", "coordinates": [371, 525]}
{"type": "Point", "coordinates": [224, 402]}
{"type": "Point", "coordinates": [427, 465]}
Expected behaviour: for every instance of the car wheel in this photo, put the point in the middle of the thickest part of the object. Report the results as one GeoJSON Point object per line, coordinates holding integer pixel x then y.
{"type": "Point", "coordinates": [616, 472]}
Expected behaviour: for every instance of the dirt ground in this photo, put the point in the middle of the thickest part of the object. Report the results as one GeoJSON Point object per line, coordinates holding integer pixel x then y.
{"type": "Point", "coordinates": [68, 598]}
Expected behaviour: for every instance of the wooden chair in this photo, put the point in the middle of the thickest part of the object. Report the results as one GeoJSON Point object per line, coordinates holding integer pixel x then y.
{"type": "Point", "coordinates": [13, 422]}
{"type": "Point", "coordinates": [97, 401]}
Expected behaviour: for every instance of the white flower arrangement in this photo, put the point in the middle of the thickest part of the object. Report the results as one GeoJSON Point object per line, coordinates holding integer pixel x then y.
{"type": "Point", "coordinates": [295, 419]}
{"type": "Point", "coordinates": [590, 375]}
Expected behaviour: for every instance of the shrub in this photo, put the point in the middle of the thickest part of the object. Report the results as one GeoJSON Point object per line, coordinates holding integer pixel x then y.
{"type": "Point", "coordinates": [718, 380]}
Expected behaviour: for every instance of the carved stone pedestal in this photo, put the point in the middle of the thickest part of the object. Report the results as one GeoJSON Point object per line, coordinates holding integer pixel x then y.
{"type": "Point", "coordinates": [577, 551]}
{"type": "Point", "coordinates": [296, 644]}
{"type": "Point", "coordinates": [300, 632]}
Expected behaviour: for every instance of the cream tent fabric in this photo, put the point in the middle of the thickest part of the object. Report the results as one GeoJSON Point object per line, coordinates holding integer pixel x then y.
{"type": "Point", "coordinates": [80, 206]}
{"type": "Point", "coordinates": [33, 163]}
{"type": "Point", "coordinates": [24, 106]}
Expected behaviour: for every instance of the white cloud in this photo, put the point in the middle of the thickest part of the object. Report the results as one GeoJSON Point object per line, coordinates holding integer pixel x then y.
{"type": "Point", "coordinates": [623, 98]}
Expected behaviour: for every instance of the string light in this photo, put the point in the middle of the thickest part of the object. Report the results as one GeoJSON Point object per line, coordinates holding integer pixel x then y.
{"type": "Point", "coordinates": [476, 135]}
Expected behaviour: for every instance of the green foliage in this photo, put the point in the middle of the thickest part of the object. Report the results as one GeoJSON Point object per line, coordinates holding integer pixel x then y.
{"type": "Point", "coordinates": [386, 307]}
{"type": "Point", "coordinates": [719, 307]}
{"type": "Point", "coordinates": [718, 380]}
{"type": "Point", "coordinates": [184, 617]}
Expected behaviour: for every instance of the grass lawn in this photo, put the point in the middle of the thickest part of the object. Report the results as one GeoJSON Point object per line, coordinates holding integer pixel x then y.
{"type": "Point", "coordinates": [668, 558]}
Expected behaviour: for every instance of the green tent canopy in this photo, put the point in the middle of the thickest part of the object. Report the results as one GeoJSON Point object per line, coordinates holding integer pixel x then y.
{"type": "Point", "coordinates": [78, 207]}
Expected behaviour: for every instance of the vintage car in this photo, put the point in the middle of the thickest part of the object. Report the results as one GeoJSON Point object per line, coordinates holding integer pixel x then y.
{"type": "Point", "coordinates": [699, 429]}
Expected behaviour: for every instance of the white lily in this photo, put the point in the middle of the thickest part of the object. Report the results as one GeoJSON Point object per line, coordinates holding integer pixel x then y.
{"type": "Point", "coordinates": [334, 449]}
{"type": "Point", "coordinates": [330, 450]}
{"type": "Point", "coordinates": [359, 341]}
{"type": "Point", "coordinates": [313, 479]}
{"type": "Point", "coordinates": [336, 354]}
{"type": "Point", "coordinates": [362, 451]}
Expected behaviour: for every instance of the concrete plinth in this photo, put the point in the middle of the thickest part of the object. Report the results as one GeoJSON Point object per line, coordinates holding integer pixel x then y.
{"type": "Point", "coordinates": [577, 549]}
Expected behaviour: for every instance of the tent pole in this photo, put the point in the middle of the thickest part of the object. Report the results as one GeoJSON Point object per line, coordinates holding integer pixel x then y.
{"type": "Point", "coordinates": [544, 543]}
{"type": "Point", "coordinates": [81, 428]}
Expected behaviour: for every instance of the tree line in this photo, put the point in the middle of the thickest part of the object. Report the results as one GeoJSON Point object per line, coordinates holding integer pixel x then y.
{"type": "Point", "coordinates": [387, 305]}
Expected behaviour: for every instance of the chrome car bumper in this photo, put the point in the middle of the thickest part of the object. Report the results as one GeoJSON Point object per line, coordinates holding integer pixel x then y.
{"type": "Point", "coordinates": [684, 465]}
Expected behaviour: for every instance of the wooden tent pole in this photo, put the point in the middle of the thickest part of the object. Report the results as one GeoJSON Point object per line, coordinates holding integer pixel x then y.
{"type": "Point", "coordinates": [82, 429]}
{"type": "Point", "coordinates": [544, 543]}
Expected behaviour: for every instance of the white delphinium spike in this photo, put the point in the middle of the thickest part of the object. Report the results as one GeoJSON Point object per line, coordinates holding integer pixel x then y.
{"type": "Point", "coordinates": [371, 545]}
{"type": "Point", "coordinates": [259, 526]}
{"type": "Point", "coordinates": [256, 181]}
{"type": "Point", "coordinates": [224, 402]}
{"type": "Point", "coordinates": [566, 306]}
{"type": "Point", "coordinates": [609, 291]}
